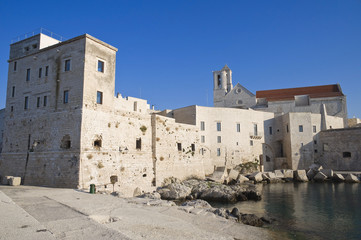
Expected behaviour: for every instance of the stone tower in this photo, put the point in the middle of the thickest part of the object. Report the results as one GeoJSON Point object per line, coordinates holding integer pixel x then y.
{"type": "Point", "coordinates": [222, 84]}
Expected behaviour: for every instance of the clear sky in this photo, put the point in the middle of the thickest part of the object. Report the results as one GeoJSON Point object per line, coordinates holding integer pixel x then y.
{"type": "Point", "coordinates": [168, 49]}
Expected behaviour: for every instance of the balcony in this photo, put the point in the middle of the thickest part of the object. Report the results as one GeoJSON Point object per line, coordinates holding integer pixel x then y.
{"type": "Point", "coordinates": [257, 135]}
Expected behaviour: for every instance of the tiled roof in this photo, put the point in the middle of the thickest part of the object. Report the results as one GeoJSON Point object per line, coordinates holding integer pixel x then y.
{"type": "Point", "coordinates": [290, 93]}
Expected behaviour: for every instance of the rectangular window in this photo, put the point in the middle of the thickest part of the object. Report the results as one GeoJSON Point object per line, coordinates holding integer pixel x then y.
{"type": "Point", "coordinates": [179, 146]}
{"type": "Point", "coordinates": [46, 71]}
{"type": "Point", "coordinates": [346, 154]}
{"type": "Point", "coordinates": [219, 139]}
{"type": "Point", "coordinates": [193, 147]}
{"type": "Point", "coordinates": [40, 71]}
{"type": "Point", "coordinates": [12, 108]}
{"type": "Point", "coordinates": [45, 102]}
{"type": "Point", "coordinates": [315, 142]}
{"type": "Point", "coordinates": [270, 130]}
{"type": "Point", "coordinates": [99, 97]}
{"type": "Point", "coordinates": [203, 139]}
{"type": "Point", "coordinates": [66, 96]}
{"type": "Point", "coordinates": [238, 127]}
{"type": "Point", "coordinates": [28, 74]}
{"type": "Point", "coordinates": [218, 152]}
{"type": "Point", "coordinates": [300, 128]}
{"type": "Point", "coordinates": [251, 142]}
{"type": "Point", "coordinates": [314, 128]}
{"type": "Point", "coordinates": [26, 103]}
{"type": "Point", "coordinates": [255, 129]}
{"type": "Point", "coordinates": [203, 126]}
{"type": "Point", "coordinates": [287, 127]}
{"type": "Point", "coordinates": [15, 63]}
{"type": "Point", "coordinates": [13, 92]}
{"type": "Point", "coordinates": [38, 102]}
{"type": "Point", "coordinates": [202, 151]}
{"type": "Point", "coordinates": [67, 65]}
{"type": "Point", "coordinates": [138, 143]}
{"type": "Point", "coordinates": [219, 127]}
{"type": "Point", "coordinates": [100, 66]}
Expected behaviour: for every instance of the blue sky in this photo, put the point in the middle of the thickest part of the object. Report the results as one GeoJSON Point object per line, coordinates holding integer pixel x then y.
{"type": "Point", "coordinates": [168, 49]}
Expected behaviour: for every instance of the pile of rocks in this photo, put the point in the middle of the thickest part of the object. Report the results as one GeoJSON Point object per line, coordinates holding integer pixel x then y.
{"type": "Point", "coordinates": [209, 191]}
{"type": "Point", "coordinates": [318, 174]}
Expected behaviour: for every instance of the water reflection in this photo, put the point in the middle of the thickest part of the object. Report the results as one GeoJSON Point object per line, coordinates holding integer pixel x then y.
{"type": "Point", "coordinates": [311, 210]}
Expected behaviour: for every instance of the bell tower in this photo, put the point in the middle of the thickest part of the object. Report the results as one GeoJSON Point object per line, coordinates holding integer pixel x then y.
{"type": "Point", "coordinates": [222, 85]}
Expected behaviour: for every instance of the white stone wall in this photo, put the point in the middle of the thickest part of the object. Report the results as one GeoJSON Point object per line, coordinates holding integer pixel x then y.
{"type": "Point", "coordinates": [169, 160]}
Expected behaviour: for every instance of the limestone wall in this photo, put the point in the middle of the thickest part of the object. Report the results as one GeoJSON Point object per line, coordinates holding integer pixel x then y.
{"type": "Point", "coordinates": [341, 149]}
{"type": "Point", "coordinates": [172, 150]}
{"type": "Point", "coordinates": [2, 118]}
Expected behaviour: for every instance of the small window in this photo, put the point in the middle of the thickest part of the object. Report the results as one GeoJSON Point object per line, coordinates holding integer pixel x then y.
{"type": "Point", "coordinates": [203, 139]}
{"type": "Point", "coordinates": [301, 144]}
{"type": "Point", "coordinates": [251, 142]}
{"type": "Point", "coordinates": [12, 109]}
{"type": "Point", "coordinates": [15, 66]}
{"type": "Point", "coordinates": [270, 130]}
{"type": "Point", "coordinates": [300, 128]}
{"type": "Point", "coordinates": [218, 152]}
{"type": "Point", "coordinates": [316, 151]}
{"type": "Point", "coordinates": [203, 126]}
{"type": "Point", "coordinates": [238, 127]}
{"type": "Point", "coordinates": [219, 127]}
{"type": "Point", "coordinates": [346, 154]}
{"type": "Point", "coordinates": [268, 159]}
{"type": "Point", "coordinates": [66, 96]}
{"type": "Point", "coordinates": [35, 45]}
{"type": "Point", "coordinates": [315, 142]}
{"type": "Point", "coordinates": [287, 128]}
{"type": "Point", "coordinates": [100, 66]}
{"type": "Point", "coordinates": [219, 139]}
{"type": "Point", "coordinates": [255, 129]}
{"type": "Point", "coordinates": [46, 71]}
{"type": "Point", "coordinates": [138, 144]}
{"type": "Point", "coordinates": [67, 65]}
{"type": "Point", "coordinates": [193, 147]}
{"type": "Point", "coordinates": [98, 143]}
{"type": "Point", "coordinates": [99, 97]}
{"type": "Point", "coordinates": [45, 101]}
{"type": "Point", "coordinates": [179, 146]}
{"type": "Point", "coordinates": [40, 71]}
{"type": "Point", "coordinates": [325, 147]}
{"type": "Point", "coordinates": [13, 92]}
{"type": "Point", "coordinates": [38, 102]}
{"type": "Point", "coordinates": [302, 100]}
{"type": "Point", "coordinates": [28, 74]}
{"type": "Point", "coordinates": [26, 48]}
{"type": "Point", "coordinates": [26, 103]}
{"type": "Point", "coordinates": [66, 143]}
{"type": "Point", "coordinates": [314, 128]}
{"type": "Point", "coordinates": [202, 151]}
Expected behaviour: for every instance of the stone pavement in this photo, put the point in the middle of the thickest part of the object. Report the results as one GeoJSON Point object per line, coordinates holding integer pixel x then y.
{"type": "Point", "coordinates": [48, 213]}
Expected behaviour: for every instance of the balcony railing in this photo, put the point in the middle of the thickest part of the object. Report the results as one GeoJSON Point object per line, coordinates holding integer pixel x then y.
{"type": "Point", "coordinates": [257, 135]}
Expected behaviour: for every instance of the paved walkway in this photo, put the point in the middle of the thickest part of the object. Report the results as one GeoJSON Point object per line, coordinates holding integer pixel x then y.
{"type": "Point", "coordinates": [47, 213]}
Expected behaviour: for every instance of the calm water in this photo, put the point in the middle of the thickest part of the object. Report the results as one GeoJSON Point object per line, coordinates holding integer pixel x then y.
{"type": "Point", "coordinates": [310, 210]}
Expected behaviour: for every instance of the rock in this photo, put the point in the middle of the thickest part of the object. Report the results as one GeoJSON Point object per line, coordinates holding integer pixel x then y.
{"type": "Point", "coordinates": [233, 175]}
{"type": "Point", "coordinates": [242, 179]}
{"type": "Point", "coordinates": [250, 219]}
{"type": "Point", "coordinates": [338, 177]}
{"type": "Point", "coordinates": [265, 177]}
{"type": "Point", "coordinates": [256, 176]}
{"type": "Point", "coordinates": [320, 177]}
{"type": "Point", "coordinates": [221, 212]}
{"type": "Point", "coordinates": [327, 172]}
{"type": "Point", "coordinates": [235, 212]}
{"type": "Point", "coordinates": [219, 194]}
{"type": "Point", "coordinates": [288, 173]}
{"type": "Point", "coordinates": [267, 220]}
{"type": "Point", "coordinates": [315, 167]}
{"type": "Point", "coordinates": [219, 174]}
{"type": "Point", "coordinates": [175, 191]}
{"type": "Point", "coordinates": [311, 174]}
{"type": "Point", "coordinates": [137, 192]}
{"type": "Point", "coordinates": [14, 181]}
{"type": "Point", "coordinates": [196, 204]}
{"type": "Point", "coordinates": [300, 176]}
{"type": "Point", "coordinates": [350, 178]}
{"type": "Point", "coordinates": [153, 195]}
{"type": "Point", "coordinates": [252, 195]}
{"type": "Point", "coordinates": [170, 180]}
{"type": "Point", "coordinates": [271, 175]}
{"type": "Point", "coordinates": [279, 174]}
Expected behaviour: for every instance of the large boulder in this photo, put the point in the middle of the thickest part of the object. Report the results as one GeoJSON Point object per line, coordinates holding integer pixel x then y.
{"type": "Point", "coordinates": [219, 175]}
{"type": "Point", "coordinates": [242, 179]}
{"type": "Point", "coordinates": [5, 180]}
{"type": "Point", "coordinates": [311, 174]}
{"type": "Point", "coordinates": [271, 175]}
{"type": "Point", "coordinates": [338, 177]}
{"type": "Point", "coordinates": [350, 178]}
{"type": "Point", "coordinates": [320, 177]}
{"type": "Point", "coordinates": [198, 203]}
{"type": "Point", "coordinates": [14, 181]}
{"type": "Point", "coordinates": [219, 194]}
{"type": "Point", "coordinates": [175, 191]}
{"type": "Point", "coordinates": [233, 175]}
{"type": "Point", "coordinates": [279, 174]}
{"type": "Point", "coordinates": [288, 173]}
{"type": "Point", "coordinates": [315, 167]}
{"type": "Point", "coordinates": [256, 176]}
{"type": "Point", "coordinates": [300, 176]}
{"type": "Point", "coordinates": [327, 172]}
{"type": "Point", "coordinates": [250, 219]}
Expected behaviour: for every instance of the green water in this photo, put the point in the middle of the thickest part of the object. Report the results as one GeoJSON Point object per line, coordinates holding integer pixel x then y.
{"type": "Point", "coordinates": [309, 210]}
